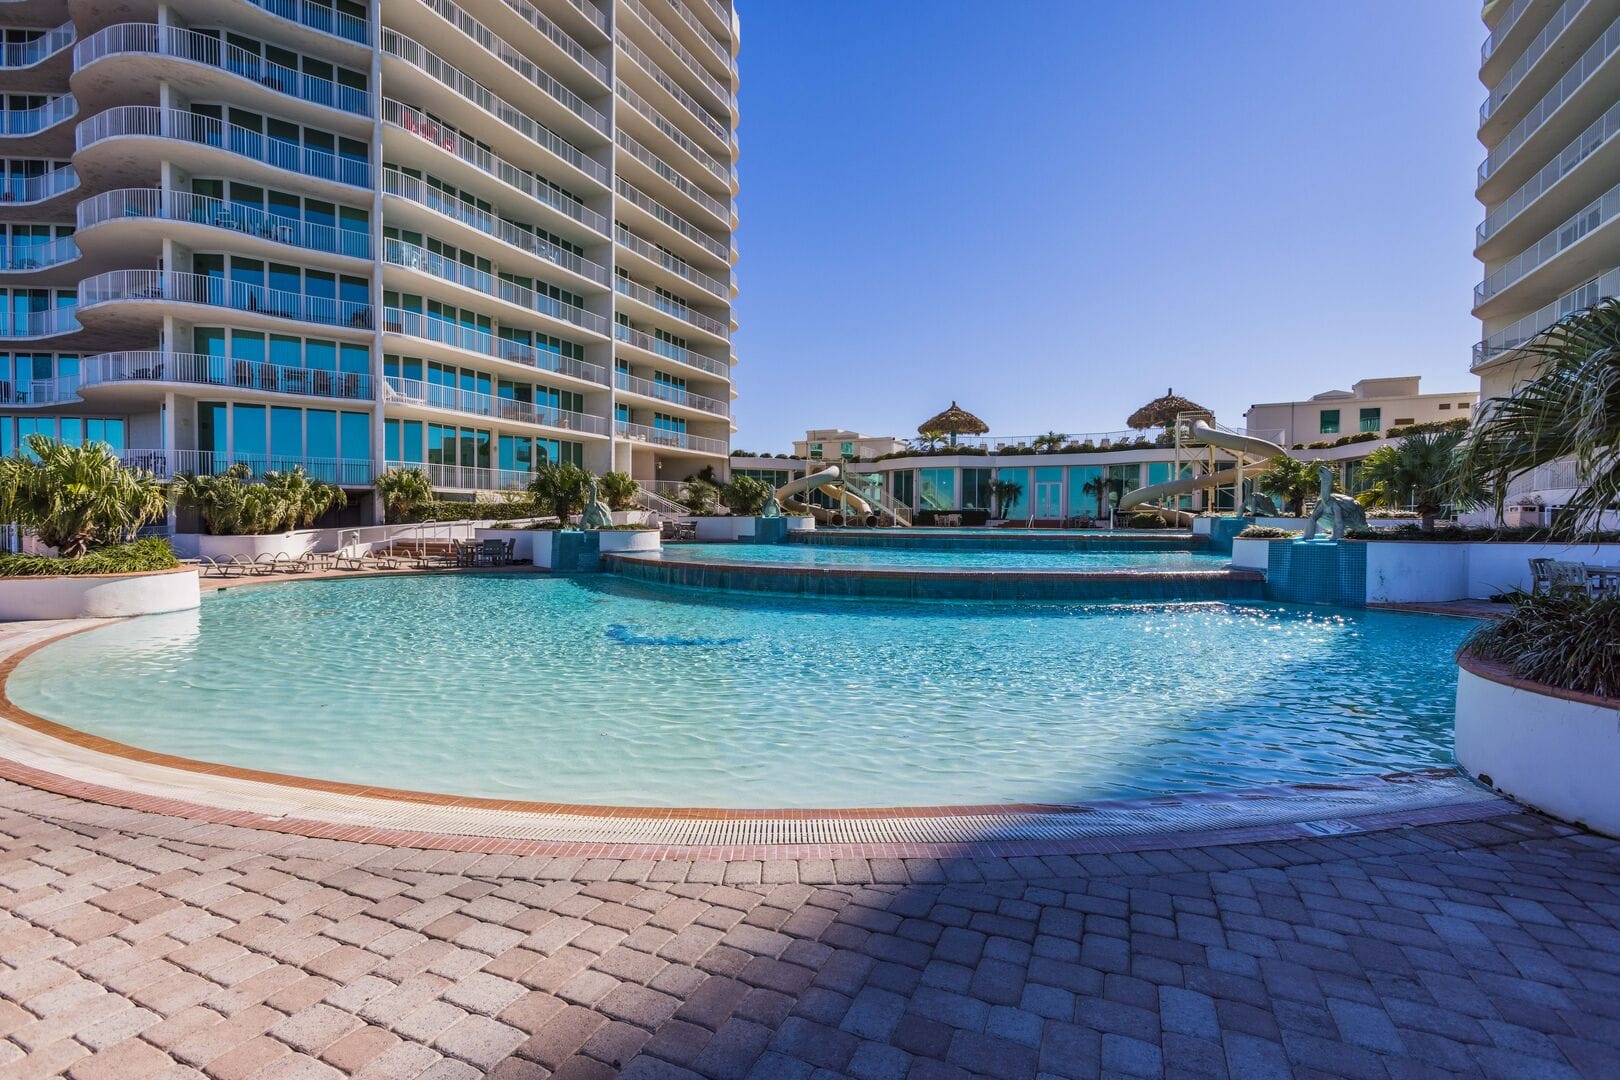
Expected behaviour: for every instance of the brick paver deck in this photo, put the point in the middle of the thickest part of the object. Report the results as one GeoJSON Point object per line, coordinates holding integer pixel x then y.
{"type": "Point", "coordinates": [138, 945]}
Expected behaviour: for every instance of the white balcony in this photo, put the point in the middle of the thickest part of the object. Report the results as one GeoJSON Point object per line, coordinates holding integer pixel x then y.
{"type": "Point", "coordinates": [198, 369]}
{"type": "Point", "coordinates": [411, 257]}
{"type": "Point", "coordinates": [1556, 25]}
{"type": "Point", "coordinates": [30, 191]}
{"type": "Point", "coordinates": [718, 90]}
{"type": "Point", "coordinates": [670, 395]}
{"type": "Point", "coordinates": [466, 339]}
{"type": "Point", "coordinates": [1597, 136]}
{"type": "Point", "coordinates": [167, 464]}
{"type": "Point", "coordinates": [26, 258]}
{"type": "Point", "coordinates": [673, 440]}
{"type": "Point", "coordinates": [1503, 28]}
{"type": "Point", "coordinates": [21, 55]}
{"type": "Point", "coordinates": [430, 395]}
{"type": "Point", "coordinates": [716, 129]}
{"type": "Point", "coordinates": [38, 325]}
{"type": "Point", "coordinates": [674, 353]}
{"type": "Point", "coordinates": [676, 266]}
{"type": "Point", "coordinates": [674, 309]}
{"type": "Point", "coordinates": [171, 287]}
{"type": "Point", "coordinates": [563, 40]}
{"type": "Point", "coordinates": [682, 228]}
{"type": "Point", "coordinates": [1601, 211]}
{"type": "Point", "coordinates": [137, 206]}
{"type": "Point", "coordinates": [321, 17]}
{"type": "Point", "coordinates": [719, 209]}
{"type": "Point", "coordinates": [1512, 337]}
{"type": "Point", "coordinates": [468, 477]}
{"type": "Point", "coordinates": [25, 131]}
{"type": "Point", "coordinates": [640, 107]}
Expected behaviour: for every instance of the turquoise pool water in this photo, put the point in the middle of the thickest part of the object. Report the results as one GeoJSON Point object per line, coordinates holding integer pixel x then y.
{"type": "Point", "coordinates": [597, 690]}
{"type": "Point", "coordinates": [930, 559]}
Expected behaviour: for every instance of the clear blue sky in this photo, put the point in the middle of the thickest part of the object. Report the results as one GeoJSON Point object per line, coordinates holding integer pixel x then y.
{"type": "Point", "coordinates": [1051, 211]}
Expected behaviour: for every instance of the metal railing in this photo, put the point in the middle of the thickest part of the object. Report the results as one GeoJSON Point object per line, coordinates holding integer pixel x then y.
{"type": "Point", "coordinates": [173, 286]}
{"type": "Point", "coordinates": [675, 395]}
{"type": "Point", "coordinates": [596, 15]}
{"type": "Point", "coordinates": [23, 257]}
{"type": "Point", "coordinates": [20, 190]}
{"type": "Point", "coordinates": [318, 16]}
{"type": "Point", "coordinates": [673, 308]}
{"type": "Point", "coordinates": [673, 133]}
{"type": "Point", "coordinates": [469, 477]}
{"type": "Point", "coordinates": [38, 119]}
{"type": "Point", "coordinates": [659, 504]}
{"type": "Point", "coordinates": [1599, 132]}
{"type": "Point", "coordinates": [560, 37]}
{"type": "Point", "coordinates": [205, 370]}
{"type": "Point", "coordinates": [23, 54]}
{"type": "Point", "coordinates": [137, 203]}
{"type": "Point", "coordinates": [641, 340]}
{"type": "Point", "coordinates": [679, 440]}
{"type": "Point", "coordinates": [152, 121]}
{"type": "Point", "coordinates": [1590, 61]}
{"type": "Point", "coordinates": [1502, 29]}
{"type": "Point", "coordinates": [673, 263]}
{"type": "Point", "coordinates": [430, 64]}
{"type": "Point", "coordinates": [721, 210]}
{"type": "Point", "coordinates": [453, 142]}
{"type": "Point", "coordinates": [455, 399]}
{"type": "Point", "coordinates": [1598, 212]}
{"type": "Point", "coordinates": [416, 325]}
{"type": "Point", "coordinates": [189, 45]}
{"type": "Point", "coordinates": [525, 68]}
{"type": "Point", "coordinates": [634, 195]}
{"type": "Point", "coordinates": [51, 322]}
{"type": "Point", "coordinates": [705, 35]}
{"type": "Point", "coordinates": [1512, 337]}
{"type": "Point", "coordinates": [1521, 67]}
{"type": "Point", "coordinates": [647, 64]}
{"type": "Point", "coordinates": [166, 464]}
{"type": "Point", "coordinates": [411, 257]}
{"type": "Point", "coordinates": [681, 53]}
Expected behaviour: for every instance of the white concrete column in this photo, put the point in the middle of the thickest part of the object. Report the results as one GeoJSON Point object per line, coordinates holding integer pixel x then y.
{"type": "Point", "coordinates": [379, 429]}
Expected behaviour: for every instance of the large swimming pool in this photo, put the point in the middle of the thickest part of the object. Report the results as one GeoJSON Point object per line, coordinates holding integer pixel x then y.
{"type": "Point", "coordinates": [597, 690]}
{"type": "Point", "coordinates": [929, 559]}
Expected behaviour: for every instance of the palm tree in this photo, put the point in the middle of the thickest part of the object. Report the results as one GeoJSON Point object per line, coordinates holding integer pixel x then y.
{"type": "Point", "coordinates": [1416, 472]}
{"type": "Point", "coordinates": [403, 492]}
{"type": "Point", "coordinates": [1291, 480]}
{"type": "Point", "coordinates": [745, 496]}
{"type": "Point", "coordinates": [1051, 442]}
{"type": "Point", "coordinates": [1003, 493]}
{"type": "Point", "coordinates": [75, 497]}
{"type": "Point", "coordinates": [619, 489]}
{"type": "Point", "coordinates": [1100, 485]}
{"type": "Point", "coordinates": [560, 488]}
{"type": "Point", "coordinates": [303, 498]}
{"type": "Point", "coordinates": [1569, 411]}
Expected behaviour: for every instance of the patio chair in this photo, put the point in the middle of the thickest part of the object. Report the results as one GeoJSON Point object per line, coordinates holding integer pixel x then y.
{"type": "Point", "coordinates": [492, 553]}
{"type": "Point", "coordinates": [1539, 575]}
{"type": "Point", "coordinates": [1566, 579]}
{"type": "Point", "coordinates": [264, 563]}
{"type": "Point", "coordinates": [220, 568]}
{"type": "Point", "coordinates": [289, 564]}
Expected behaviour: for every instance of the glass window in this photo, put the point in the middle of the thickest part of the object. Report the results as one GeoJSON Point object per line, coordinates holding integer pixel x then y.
{"type": "Point", "coordinates": [211, 427]}
{"type": "Point", "coordinates": [356, 436]}
{"type": "Point", "coordinates": [1330, 422]}
{"type": "Point", "coordinates": [1092, 501]}
{"type": "Point", "coordinates": [286, 433]}
{"type": "Point", "coordinates": [936, 489]}
{"type": "Point", "coordinates": [1372, 419]}
{"type": "Point", "coordinates": [320, 433]}
{"type": "Point", "coordinates": [902, 486]}
{"type": "Point", "coordinates": [976, 489]}
{"type": "Point", "coordinates": [248, 433]}
{"type": "Point", "coordinates": [1017, 507]}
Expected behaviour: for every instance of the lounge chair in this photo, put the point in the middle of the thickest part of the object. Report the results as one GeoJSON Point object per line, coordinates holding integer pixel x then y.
{"type": "Point", "coordinates": [220, 568]}
{"type": "Point", "coordinates": [290, 564]}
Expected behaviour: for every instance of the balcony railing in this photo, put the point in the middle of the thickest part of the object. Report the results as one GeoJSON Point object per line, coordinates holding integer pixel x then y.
{"type": "Point", "coordinates": [631, 336]}
{"type": "Point", "coordinates": [1598, 212]}
{"type": "Point", "coordinates": [675, 395]}
{"type": "Point", "coordinates": [1590, 61]}
{"type": "Point", "coordinates": [704, 34]}
{"type": "Point", "coordinates": [23, 257]}
{"type": "Point", "coordinates": [682, 53]}
{"type": "Point", "coordinates": [204, 370]}
{"type": "Point", "coordinates": [719, 209]}
{"type": "Point", "coordinates": [51, 322]}
{"type": "Point", "coordinates": [1599, 132]}
{"type": "Point", "coordinates": [469, 477]}
{"type": "Point", "coordinates": [679, 440]}
{"type": "Point", "coordinates": [525, 68]}
{"type": "Point", "coordinates": [153, 122]}
{"type": "Point", "coordinates": [634, 195]}
{"type": "Point", "coordinates": [674, 134]}
{"type": "Point", "coordinates": [1503, 28]}
{"type": "Point", "coordinates": [399, 253]}
{"type": "Point", "coordinates": [20, 190]}
{"type": "Point", "coordinates": [560, 38]}
{"type": "Point", "coordinates": [1512, 337]}
{"type": "Point", "coordinates": [674, 89]}
{"type": "Point", "coordinates": [33, 121]}
{"type": "Point", "coordinates": [476, 93]}
{"type": "Point", "coordinates": [468, 339]}
{"type": "Point", "coordinates": [407, 119]}
{"type": "Point", "coordinates": [674, 265]}
{"type": "Point", "coordinates": [166, 464]}
{"type": "Point", "coordinates": [1521, 67]}
{"type": "Point", "coordinates": [673, 308]}
{"type": "Point", "coordinates": [318, 16]}
{"type": "Point", "coordinates": [173, 286]}
{"type": "Point", "coordinates": [455, 399]}
{"type": "Point", "coordinates": [136, 203]}
{"type": "Point", "coordinates": [23, 54]}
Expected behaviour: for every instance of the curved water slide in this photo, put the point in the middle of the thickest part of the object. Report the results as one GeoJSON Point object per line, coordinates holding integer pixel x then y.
{"type": "Point", "coordinates": [867, 509]}
{"type": "Point", "coordinates": [1247, 446]}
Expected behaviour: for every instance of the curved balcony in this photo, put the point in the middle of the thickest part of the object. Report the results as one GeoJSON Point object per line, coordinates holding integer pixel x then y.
{"type": "Point", "coordinates": [675, 440]}
{"type": "Point", "coordinates": [211, 146]}
{"type": "Point", "coordinates": [672, 308]}
{"type": "Point", "coordinates": [199, 369]}
{"type": "Point", "coordinates": [468, 477]}
{"type": "Point", "coordinates": [38, 325]}
{"type": "Point", "coordinates": [700, 32]}
{"type": "Point", "coordinates": [42, 193]}
{"type": "Point", "coordinates": [411, 257]}
{"type": "Point", "coordinates": [44, 61]}
{"type": "Point", "coordinates": [671, 395]}
{"type": "Point", "coordinates": [430, 395]}
{"type": "Point", "coordinates": [1511, 337]}
{"type": "Point", "coordinates": [692, 64]}
{"type": "Point", "coordinates": [1520, 209]}
{"type": "Point", "coordinates": [21, 259]}
{"type": "Point", "coordinates": [26, 132]}
{"type": "Point", "coordinates": [662, 124]}
{"type": "Point", "coordinates": [665, 261]}
{"type": "Point", "coordinates": [1554, 28]}
{"type": "Point", "coordinates": [682, 229]}
{"type": "Point", "coordinates": [255, 305]}
{"type": "Point", "coordinates": [559, 37]}
{"type": "Point", "coordinates": [148, 214]}
{"type": "Point", "coordinates": [665, 351]}
{"type": "Point", "coordinates": [716, 129]}
{"type": "Point", "coordinates": [319, 17]}
{"type": "Point", "coordinates": [1600, 212]}
{"type": "Point", "coordinates": [464, 150]}
{"type": "Point", "coordinates": [413, 324]}
{"type": "Point", "coordinates": [167, 464]}
{"type": "Point", "coordinates": [175, 55]}
{"type": "Point", "coordinates": [1502, 29]}
{"type": "Point", "coordinates": [470, 94]}
{"type": "Point", "coordinates": [660, 168]}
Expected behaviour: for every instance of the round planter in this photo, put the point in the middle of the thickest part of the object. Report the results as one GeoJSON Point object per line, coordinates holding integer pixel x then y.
{"type": "Point", "coordinates": [98, 596]}
{"type": "Point", "coordinates": [1551, 749]}
{"type": "Point", "coordinates": [292, 544]}
{"type": "Point", "coordinates": [619, 540]}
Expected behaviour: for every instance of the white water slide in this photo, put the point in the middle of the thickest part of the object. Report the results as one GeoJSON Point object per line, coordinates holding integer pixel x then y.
{"type": "Point", "coordinates": [1243, 446]}
{"type": "Point", "coordinates": [867, 507]}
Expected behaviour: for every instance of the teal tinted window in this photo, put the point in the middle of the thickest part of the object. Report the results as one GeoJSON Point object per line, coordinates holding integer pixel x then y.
{"type": "Point", "coordinates": [248, 432]}
{"type": "Point", "coordinates": [1371, 419]}
{"type": "Point", "coordinates": [936, 489]}
{"type": "Point", "coordinates": [1330, 422]}
{"type": "Point", "coordinates": [355, 436]}
{"type": "Point", "coordinates": [976, 489]}
{"type": "Point", "coordinates": [1017, 507]}
{"type": "Point", "coordinates": [320, 433]}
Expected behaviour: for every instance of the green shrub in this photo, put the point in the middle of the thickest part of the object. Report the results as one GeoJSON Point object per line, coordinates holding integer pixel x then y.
{"type": "Point", "coordinates": [1269, 532]}
{"type": "Point", "coordinates": [1144, 519]}
{"type": "Point", "coordinates": [745, 495]}
{"type": "Point", "coordinates": [1459, 424]}
{"type": "Point", "coordinates": [560, 489]}
{"type": "Point", "coordinates": [142, 555]}
{"type": "Point", "coordinates": [1569, 642]}
{"type": "Point", "coordinates": [73, 498]}
{"type": "Point", "coordinates": [476, 511]}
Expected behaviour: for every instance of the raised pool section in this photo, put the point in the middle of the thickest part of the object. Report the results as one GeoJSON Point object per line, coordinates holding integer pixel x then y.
{"type": "Point", "coordinates": [1005, 540]}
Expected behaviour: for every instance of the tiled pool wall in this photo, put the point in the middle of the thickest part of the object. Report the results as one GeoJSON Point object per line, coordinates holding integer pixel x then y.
{"type": "Point", "coordinates": [1099, 587]}
{"type": "Point", "coordinates": [1223, 529]}
{"type": "Point", "coordinates": [1016, 541]}
{"type": "Point", "coordinates": [1317, 572]}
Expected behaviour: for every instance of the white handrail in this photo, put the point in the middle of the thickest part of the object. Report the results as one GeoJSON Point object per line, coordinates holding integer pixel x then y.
{"type": "Point", "coordinates": [631, 336]}
{"type": "Point", "coordinates": [472, 403]}
{"type": "Point", "coordinates": [25, 54]}
{"type": "Point", "coordinates": [399, 253]}
{"type": "Point", "coordinates": [319, 16]}
{"type": "Point", "coordinates": [1523, 330]}
{"type": "Point", "coordinates": [668, 173]}
{"type": "Point", "coordinates": [702, 239]}
{"type": "Point", "coordinates": [672, 132]}
{"type": "Point", "coordinates": [1588, 219]}
{"type": "Point", "coordinates": [675, 309]}
{"type": "Point", "coordinates": [152, 121]}
{"type": "Point", "coordinates": [1599, 132]}
{"type": "Point", "coordinates": [560, 38]}
{"type": "Point", "coordinates": [174, 286]}
{"type": "Point", "coordinates": [207, 370]}
{"type": "Point", "coordinates": [673, 263]}
{"type": "Point", "coordinates": [22, 190]}
{"type": "Point", "coordinates": [468, 477]}
{"type": "Point", "coordinates": [1578, 73]}
{"type": "Point", "coordinates": [415, 324]}
{"type": "Point", "coordinates": [125, 203]}
{"type": "Point", "coordinates": [647, 64]}
{"type": "Point", "coordinates": [38, 119]}
{"type": "Point", "coordinates": [675, 395]}
{"type": "Point", "coordinates": [1521, 67]}
{"type": "Point", "coordinates": [26, 257]}
{"type": "Point", "coordinates": [665, 437]}
{"type": "Point", "coordinates": [682, 53]}
{"type": "Point", "coordinates": [165, 464]}
{"type": "Point", "coordinates": [51, 322]}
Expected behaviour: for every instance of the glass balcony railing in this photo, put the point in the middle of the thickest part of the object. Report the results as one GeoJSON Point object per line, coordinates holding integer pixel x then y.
{"type": "Point", "coordinates": [671, 307]}
{"type": "Point", "coordinates": [204, 370]}
{"type": "Point", "coordinates": [453, 398]}
{"type": "Point", "coordinates": [23, 257]}
{"type": "Point", "coordinates": [669, 262]}
{"type": "Point", "coordinates": [469, 477]}
{"type": "Point", "coordinates": [25, 54]}
{"type": "Point", "coordinates": [641, 340]}
{"type": "Point", "coordinates": [399, 253]}
{"type": "Point", "coordinates": [33, 121]}
{"type": "Point", "coordinates": [49, 322]}
{"type": "Point", "coordinates": [1534, 51]}
{"type": "Point", "coordinates": [634, 195]}
{"type": "Point", "coordinates": [152, 40]}
{"type": "Point", "coordinates": [1598, 212]}
{"type": "Point", "coordinates": [318, 16]}
{"type": "Point", "coordinates": [173, 286]}
{"type": "Point", "coordinates": [1599, 132]}
{"type": "Point", "coordinates": [137, 203]}
{"type": "Point", "coordinates": [483, 343]}
{"type": "Point", "coordinates": [675, 395]}
{"type": "Point", "coordinates": [153, 122]}
{"type": "Point", "coordinates": [1573, 79]}
{"type": "Point", "coordinates": [678, 440]}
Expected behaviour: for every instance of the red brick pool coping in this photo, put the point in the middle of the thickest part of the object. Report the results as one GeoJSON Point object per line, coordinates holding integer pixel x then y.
{"type": "Point", "coordinates": [1497, 672]}
{"type": "Point", "coordinates": [311, 827]}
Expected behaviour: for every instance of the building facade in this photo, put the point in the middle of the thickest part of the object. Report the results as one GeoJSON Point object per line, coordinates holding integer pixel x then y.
{"type": "Point", "coordinates": [465, 235]}
{"type": "Point", "coordinates": [1369, 406]}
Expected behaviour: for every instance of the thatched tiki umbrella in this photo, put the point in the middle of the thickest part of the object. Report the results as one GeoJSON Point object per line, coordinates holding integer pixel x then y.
{"type": "Point", "coordinates": [1161, 412]}
{"type": "Point", "coordinates": [953, 421]}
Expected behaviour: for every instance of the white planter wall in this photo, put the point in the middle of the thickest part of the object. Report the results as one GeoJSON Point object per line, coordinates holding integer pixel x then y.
{"type": "Point", "coordinates": [718, 529]}
{"type": "Point", "coordinates": [1557, 754]}
{"type": "Point", "coordinates": [98, 596]}
{"type": "Point", "coordinates": [1251, 554]}
{"type": "Point", "coordinates": [630, 540]}
{"type": "Point", "coordinates": [522, 540]}
{"type": "Point", "coordinates": [1428, 571]}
